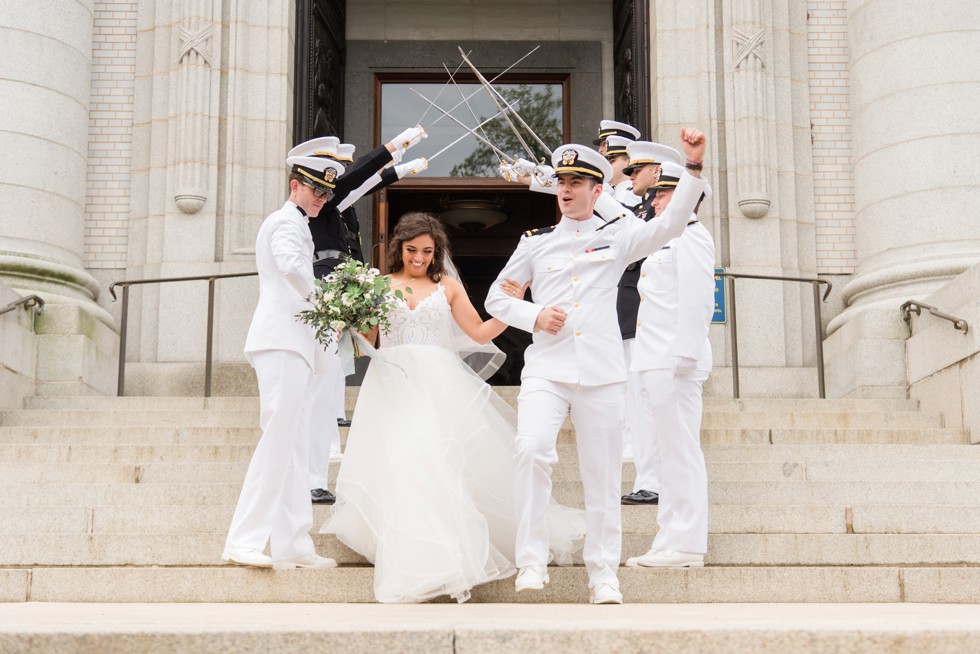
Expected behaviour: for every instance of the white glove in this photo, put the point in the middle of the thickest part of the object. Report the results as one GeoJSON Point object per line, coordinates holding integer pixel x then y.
{"type": "Point", "coordinates": [413, 167]}
{"type": "Point", "coordinates": [408, 138]}
{"type": "Point", "coordinates": [523, 167]}
{"type": "Point", "coordinates": [544, 174]}
{"type": "Point", "coordinates": [684, 365]}
{"type": "Point", "coordinates": [507, 172]}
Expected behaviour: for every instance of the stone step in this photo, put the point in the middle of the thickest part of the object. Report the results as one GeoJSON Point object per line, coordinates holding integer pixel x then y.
{"type": "Point", "coordinates": [291, 628]}
{"type": "Point", "coordinates": [157, 417]}
{"type": "Point", "coordinates": [567, 469]}
{"type": "Point", "coordinates": [81, 437]}
{"type": "Point", "coordinates": [568, 492]}
{"type": "Point", "coordinates": [142, 403]}
{"type": "Point", "coordinates": [723, 549]}
{"type": "Point", "coordinates": [846, 583]}
{"type": "Point", "coordinates": [179, 519]}
{"type": "Point", "coordinates": [722, 518]}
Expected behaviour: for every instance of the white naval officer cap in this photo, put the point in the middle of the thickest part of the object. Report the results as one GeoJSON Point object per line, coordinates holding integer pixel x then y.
{"type": "Point", "coordinates": [670, 176]}
{"type": "Point", "coordinates": [648, 152]}
{"type": "Point", "coordinates": [319, 172]}
{"type": "Point", "coordinates": [609, 128]}
{"type": "Point", "coordinates": [581, 160]}
{"type": "Point", "coordinates": [616, 145]}
{"type": "Point", "coordinates": [324, 146]}
{"type": "Point", "coordinates": [345, 153]}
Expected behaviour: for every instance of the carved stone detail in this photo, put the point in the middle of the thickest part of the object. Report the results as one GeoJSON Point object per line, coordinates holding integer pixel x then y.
{"type": "Point", "coordinates": [751, 95]}
{"type": "Point", "coordinates": [193, 105]}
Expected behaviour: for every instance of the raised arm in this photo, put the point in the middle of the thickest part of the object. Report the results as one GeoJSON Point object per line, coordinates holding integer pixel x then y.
{"type": "Point", "coordinates": [644, 238]}
{"type": "Point", "coordinates": [467, 317]}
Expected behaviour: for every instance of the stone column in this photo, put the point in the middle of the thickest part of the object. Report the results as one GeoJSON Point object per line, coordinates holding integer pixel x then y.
{"type": "Point", "coordinates": [45, 73]}
{"type": "Point", "coordinates": [738, 70]}
{"type": "Point", "coordinates": [914, 84]}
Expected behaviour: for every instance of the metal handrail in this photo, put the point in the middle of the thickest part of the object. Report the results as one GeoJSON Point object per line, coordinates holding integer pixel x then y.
{"type": "Point", "coordinates": [816, 320]}
{"type": "Point", "coordinates": [126, 283]}
{"type": "Point", "coordinates": [27, 302]}
{"type": "Point", "coordinates": [914, 305]}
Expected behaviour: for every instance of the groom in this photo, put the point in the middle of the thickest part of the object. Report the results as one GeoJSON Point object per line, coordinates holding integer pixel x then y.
{"type": "Point", "coordinates": [575, 364]}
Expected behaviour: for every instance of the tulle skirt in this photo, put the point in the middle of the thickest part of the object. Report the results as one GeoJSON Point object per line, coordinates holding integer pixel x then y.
{"type": "Point", "coordinates": [426, 488]}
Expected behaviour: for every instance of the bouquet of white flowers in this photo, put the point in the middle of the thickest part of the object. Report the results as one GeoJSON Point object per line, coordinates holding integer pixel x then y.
{"type": "Point", "coordinates": [352, 296]}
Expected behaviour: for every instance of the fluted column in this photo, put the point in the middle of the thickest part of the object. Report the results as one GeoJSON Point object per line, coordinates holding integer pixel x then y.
{"type": "Point", "coordinates": [914, 84]}
{"type": "Point", "coordinates": [45, 66]}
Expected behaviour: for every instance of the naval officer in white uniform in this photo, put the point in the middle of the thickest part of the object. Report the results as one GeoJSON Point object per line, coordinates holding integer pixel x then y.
{"type": "Point", "coordinates": [575, 364]}
{"type": "Point", "coordinates": [673, 358]}
{"type": "Point", "coordinates": [274, 506]}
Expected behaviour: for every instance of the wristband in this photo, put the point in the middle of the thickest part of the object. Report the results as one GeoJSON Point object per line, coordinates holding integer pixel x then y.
{"type": "Point", "coordinates": [694, 165]}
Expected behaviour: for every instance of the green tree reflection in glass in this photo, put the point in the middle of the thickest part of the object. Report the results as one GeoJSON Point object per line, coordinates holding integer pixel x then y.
{"type": "Point", "coordinates": [540, 109]}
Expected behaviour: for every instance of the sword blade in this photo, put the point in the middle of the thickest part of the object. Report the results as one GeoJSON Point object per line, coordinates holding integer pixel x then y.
{"type": "Point", "coordinates": [495, 94]}
{"type": "Point", "coordinates": [493, 117]}
{"type": "Point", "coordinates": [459, 104]}
{"type": "Point", "coordinates": [472, 113]}
{"type": "Point", "coordinates": [425, 113]}
{"type": "Point", "coordinates": [496, 101]}
{"type": "Point", "coordinates": [456, 120]}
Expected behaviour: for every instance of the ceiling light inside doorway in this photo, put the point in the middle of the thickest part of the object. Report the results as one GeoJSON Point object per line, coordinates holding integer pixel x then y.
{"type": "Point", "coordinates": [473, 215]}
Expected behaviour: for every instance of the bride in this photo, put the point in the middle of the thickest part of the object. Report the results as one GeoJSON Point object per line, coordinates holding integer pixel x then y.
{"type": "Point", "coordinates": [425, 491]}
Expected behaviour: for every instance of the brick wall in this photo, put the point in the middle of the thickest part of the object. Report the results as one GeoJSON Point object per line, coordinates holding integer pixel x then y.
{"type": "Point", "coordinates": [110, 134]}
{"type": "Point", "coordinates": [833, 169]}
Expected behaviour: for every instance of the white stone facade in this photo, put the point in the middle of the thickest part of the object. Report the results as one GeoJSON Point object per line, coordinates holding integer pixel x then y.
{"type": "Point", "coordinates": [835, 127]}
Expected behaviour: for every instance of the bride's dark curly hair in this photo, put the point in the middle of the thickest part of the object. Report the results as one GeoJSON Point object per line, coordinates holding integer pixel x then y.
{"type": "Point", "coordinates": [411, 226]}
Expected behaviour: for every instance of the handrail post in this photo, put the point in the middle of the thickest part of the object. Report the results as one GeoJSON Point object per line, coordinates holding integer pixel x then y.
{"type": "Point", "coordinates": [123, 323]}
{"type": "Point", "coordinates": [210, 339]}
{"type": "Point", "coordinates": [731, 304]}
{"type": "Point", "coordinates": [818, 324]}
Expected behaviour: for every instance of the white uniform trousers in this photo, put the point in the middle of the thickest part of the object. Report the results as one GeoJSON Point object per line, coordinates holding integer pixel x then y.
{"type": "Point", "coordinates": [274, 506]}
{"type": "Point", "coordinates": [638, 430]}
{"type": "Point", "coordinates": [597, 414]}
{"type": "Point", "coordinates": [328, 390]}
{"type": "Point", "coordinates": [675, 413]}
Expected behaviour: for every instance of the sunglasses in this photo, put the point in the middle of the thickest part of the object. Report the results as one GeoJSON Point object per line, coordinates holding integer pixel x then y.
{"type": "Point", "coordinates": [319, 192]}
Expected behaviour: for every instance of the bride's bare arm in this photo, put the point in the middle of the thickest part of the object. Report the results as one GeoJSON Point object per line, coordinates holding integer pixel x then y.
{"type": "Point", "coordinates": [467, 317]}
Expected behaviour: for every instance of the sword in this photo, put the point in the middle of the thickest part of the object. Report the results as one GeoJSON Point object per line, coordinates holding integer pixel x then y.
{"type": "Point", "coordinates": [493, 147]}
{"type": "Point", "coordinates": [464, 135]}
{"type": "Point", "coordinates": [494, 95]}
{"type": "Point", "coordinates": [459, 104]}
{"type": "Point", "coordinates": [480, 126]}
{"type": "Point", "coordinates": [424, 113]}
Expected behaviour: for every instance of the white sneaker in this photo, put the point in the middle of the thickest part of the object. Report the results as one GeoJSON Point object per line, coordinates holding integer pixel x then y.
{"type": "Point", "coordinates": [666, 559]}
{"type": "Point", "coordinates": [246, 556]}
{"type": "Point", "coordinates": [605, 594]}
{"type": "Point", "coordinates": [531, 577]}
{"type": "Point", "coordinates": [308, 561]}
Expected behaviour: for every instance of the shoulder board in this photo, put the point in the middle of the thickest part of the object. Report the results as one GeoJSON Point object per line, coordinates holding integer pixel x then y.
{"type": "Point", "coordinates": [611, 222]}
{"type": "Point", "coordinates": [540, 230]}
{"type": "Point", "coordinates": [693, 222]}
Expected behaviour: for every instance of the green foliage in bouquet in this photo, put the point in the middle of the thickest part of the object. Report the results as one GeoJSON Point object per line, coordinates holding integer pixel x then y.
{"type": "Point", "coordinates": [353, 296]}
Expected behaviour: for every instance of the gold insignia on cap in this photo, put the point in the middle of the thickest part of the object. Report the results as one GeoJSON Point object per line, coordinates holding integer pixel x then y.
{"type": "Point", "coordinates": [568, 157]}
{"type": "Point", "coordinates": [330, 174]}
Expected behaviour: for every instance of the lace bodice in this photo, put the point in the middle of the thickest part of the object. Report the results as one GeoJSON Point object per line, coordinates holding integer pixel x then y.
{"type": "Point", "coordinates": [429, 323]}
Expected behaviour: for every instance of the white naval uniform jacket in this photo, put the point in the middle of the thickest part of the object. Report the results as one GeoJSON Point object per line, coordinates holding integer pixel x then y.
{"type": "Point", "coordinates": [677, 301]}
{"type": "Point", "coordinates": [284, 256]}
{"type": "Point", "coordinates": [576, 267]}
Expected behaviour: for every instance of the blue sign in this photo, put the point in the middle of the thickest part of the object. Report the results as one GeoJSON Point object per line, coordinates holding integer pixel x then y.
{"type": "Point", "coordinates": [721, 293]}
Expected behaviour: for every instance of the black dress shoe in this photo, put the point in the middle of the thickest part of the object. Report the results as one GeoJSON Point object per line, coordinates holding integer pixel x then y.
{"type": "Point", "coordinates": [641, 497]}
{"type": "Point", "coordinates": [343, 422]}
{"type": "Point", "coordinates": [322, 496]}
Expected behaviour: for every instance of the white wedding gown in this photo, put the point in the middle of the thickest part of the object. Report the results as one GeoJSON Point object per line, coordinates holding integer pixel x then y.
{"type": "Point", "coordinates": [426, 488]}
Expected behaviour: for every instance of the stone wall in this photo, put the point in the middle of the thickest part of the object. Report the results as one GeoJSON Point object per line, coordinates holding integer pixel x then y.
{"type": "Point", "coordinates": [943, 362]}
{"type": "Point", "coordinates": [18, 353]}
